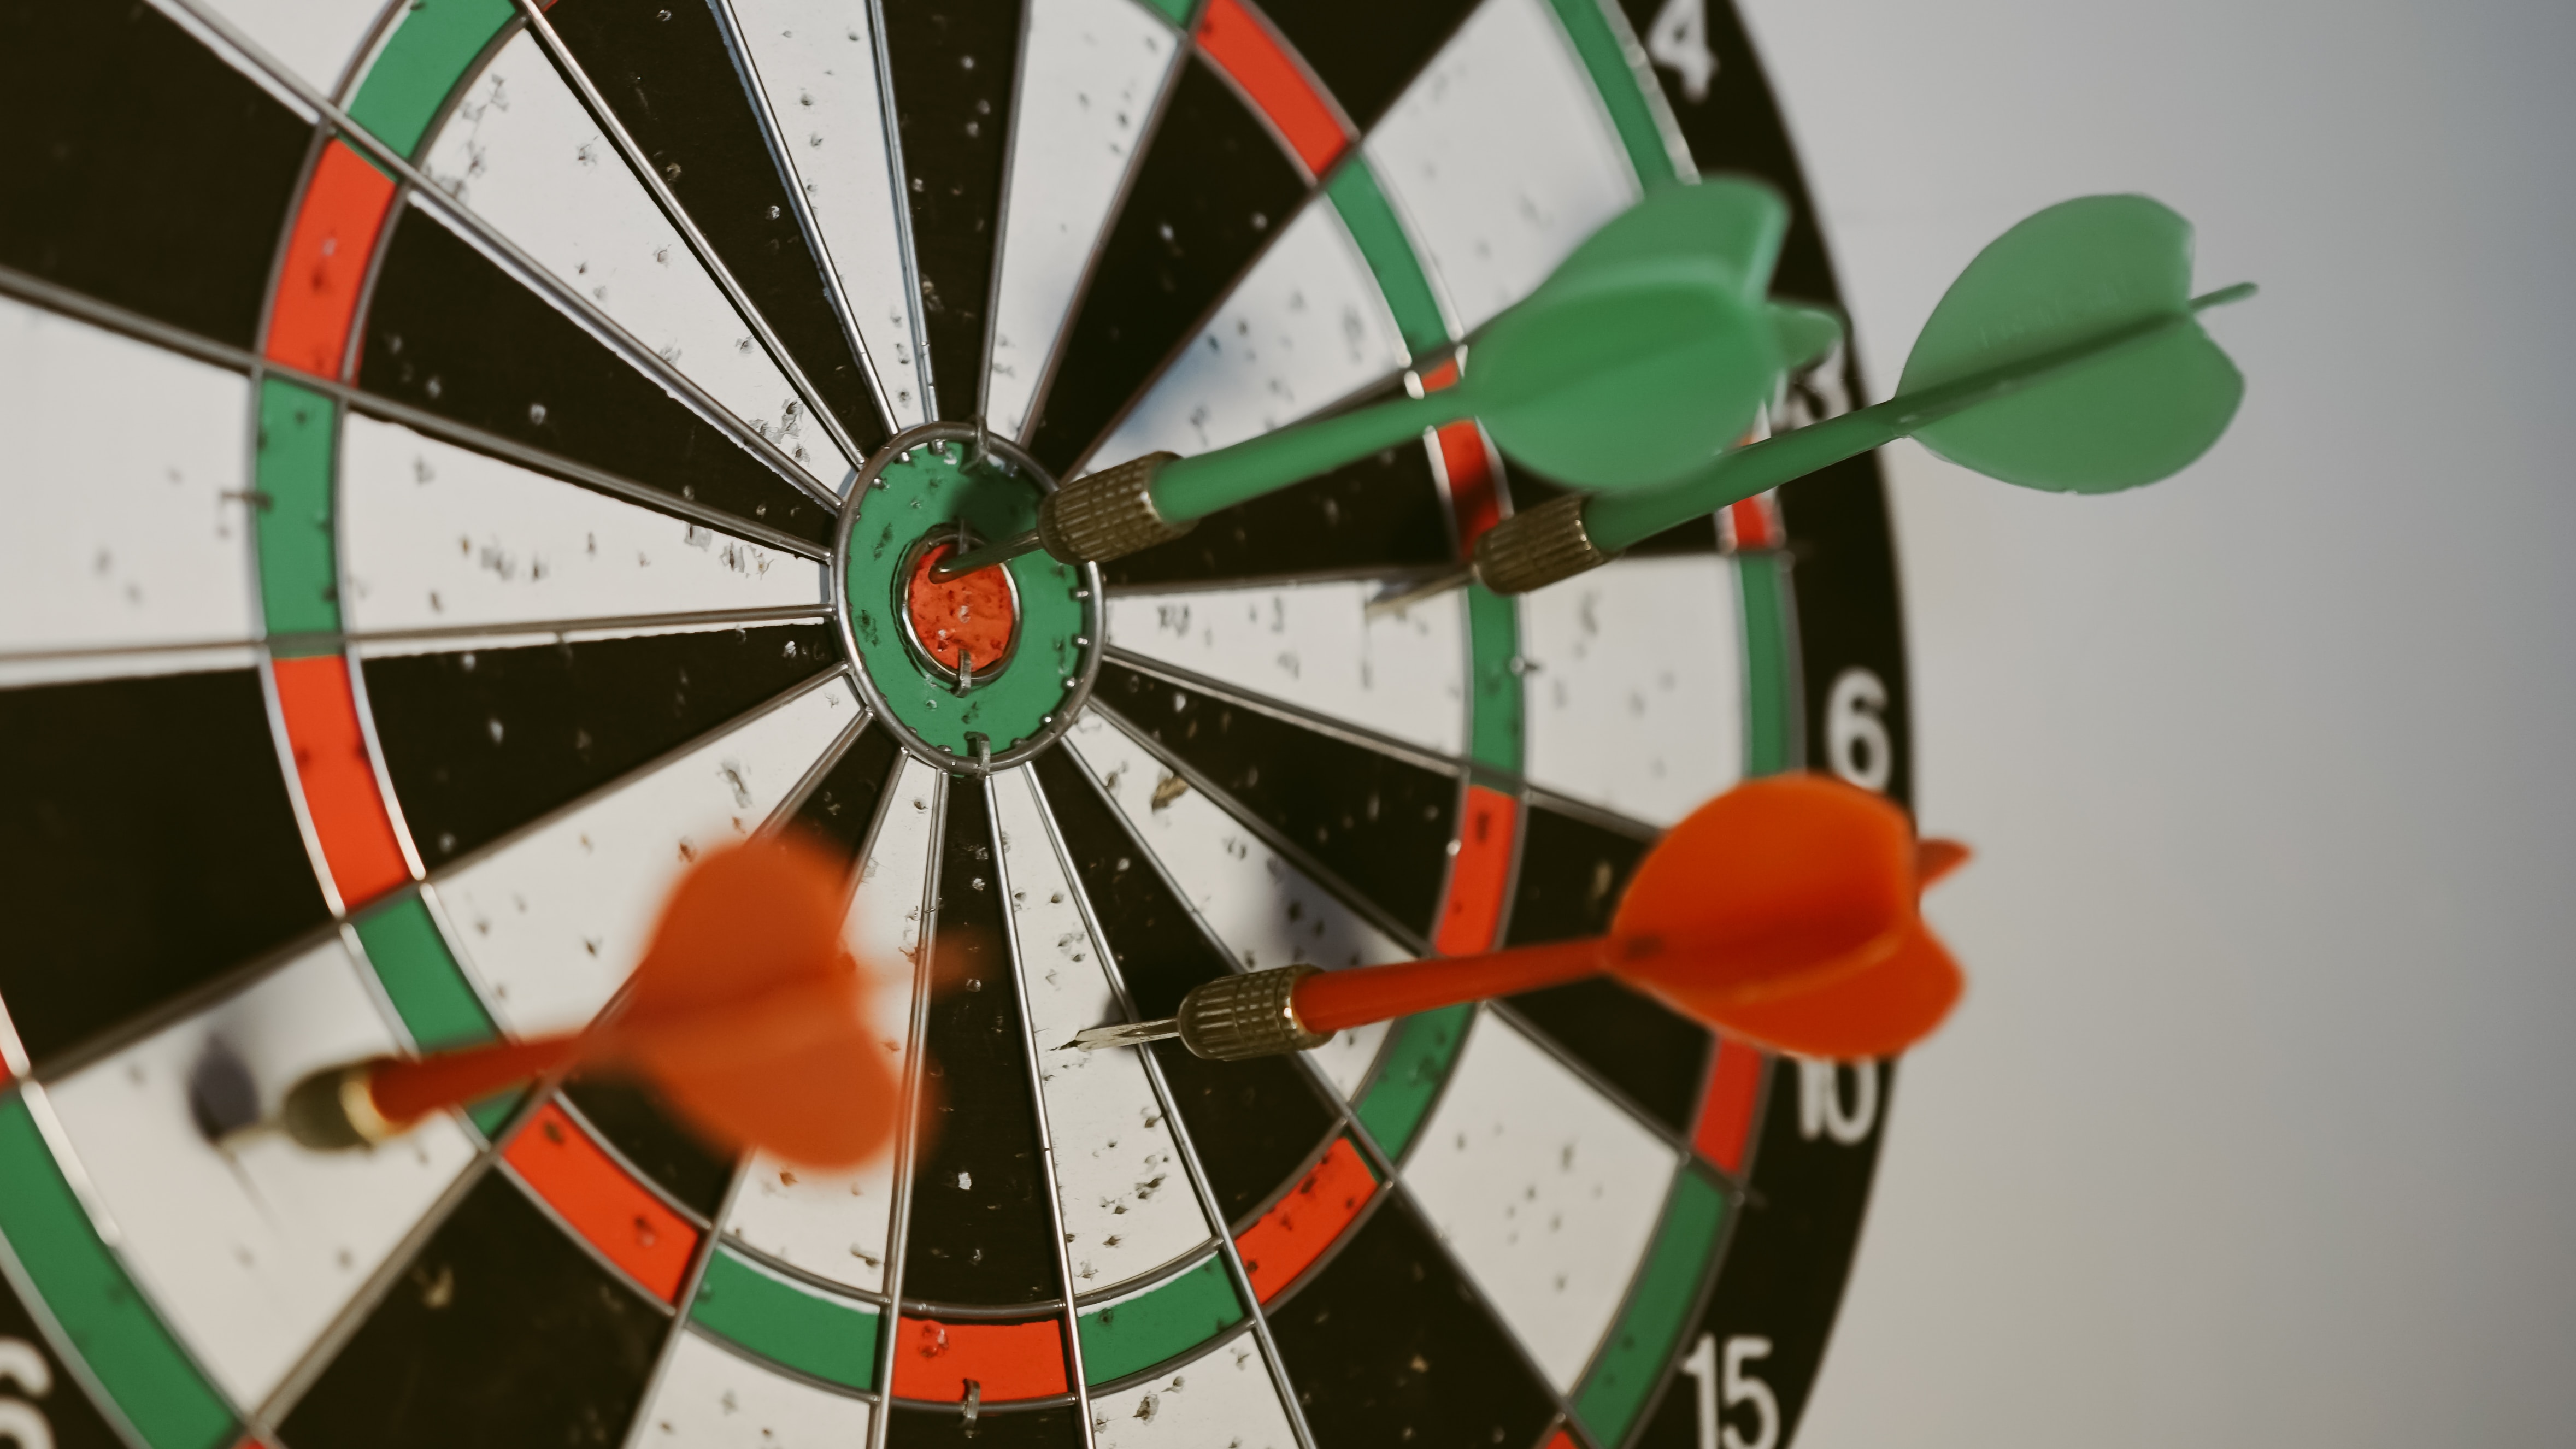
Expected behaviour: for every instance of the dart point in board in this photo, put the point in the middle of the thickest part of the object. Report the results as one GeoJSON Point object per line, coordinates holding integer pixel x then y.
{"type": "Point", "coordinates": [2066, 357]}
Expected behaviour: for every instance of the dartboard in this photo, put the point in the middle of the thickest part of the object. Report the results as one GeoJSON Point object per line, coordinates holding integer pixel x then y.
{"type": "Point", "coordinates": [465, 462]}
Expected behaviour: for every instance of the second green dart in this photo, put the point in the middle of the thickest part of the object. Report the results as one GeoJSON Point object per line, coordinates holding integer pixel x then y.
{"type": "Point", "coordinates": [2068, 356]}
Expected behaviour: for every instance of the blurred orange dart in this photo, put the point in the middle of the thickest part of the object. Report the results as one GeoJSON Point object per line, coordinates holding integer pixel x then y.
{"type": "Point", "coordinates": [1781, 913]}
{"type": "Point", "coordinates": [747, 1014]}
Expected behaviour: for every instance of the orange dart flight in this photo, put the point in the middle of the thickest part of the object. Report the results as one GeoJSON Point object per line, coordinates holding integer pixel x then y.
{"type": "Point", "coordinates": [1782, 913]}
{"type": "Point", "coordinates": [746, 1013]}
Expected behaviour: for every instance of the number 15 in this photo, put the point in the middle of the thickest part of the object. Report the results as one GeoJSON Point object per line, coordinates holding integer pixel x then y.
{"type": "Point", "coordinates": [1739, 1386]}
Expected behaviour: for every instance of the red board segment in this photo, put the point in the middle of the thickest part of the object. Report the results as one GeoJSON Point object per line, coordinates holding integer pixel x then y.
{"type": "Point", "coordinates": [1242, 44]}
{"type": "Point", "coordinates": [1726, 1109]}
{"type": "Point", "coordinates": [340, 790]}
{"type": "Point", "coordinates": [934, 1360]}
{"type": "Point", "coordinates": [326, 260]}
{"type": "Point", "coordinates": [1292, 1235]}
{"type": "Point", "coordinates": [1466, 465]}
{"type": "Point", "coordinates": [1753, 525]}
{"type": "Point", "coordinates": [1479, 875]}
{"type": "Point", "coordinates": [611, 1210]}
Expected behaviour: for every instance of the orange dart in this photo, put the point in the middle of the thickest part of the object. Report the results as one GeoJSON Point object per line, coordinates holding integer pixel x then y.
{"type": "Point", "coordinates": [746, 1014]}
{"type": "Point", "coordinates": [1782, 912]}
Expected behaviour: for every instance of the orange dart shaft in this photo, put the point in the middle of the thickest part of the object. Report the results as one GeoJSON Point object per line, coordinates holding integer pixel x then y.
{"type": "Point", "coordinates": [1338, 1000]}
{"type": "Point", "coordinates": [405, 1091]}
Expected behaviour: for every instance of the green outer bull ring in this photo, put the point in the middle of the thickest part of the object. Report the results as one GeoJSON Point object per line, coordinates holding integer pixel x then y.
{"type": "Point", "coordinates": [927, 479]}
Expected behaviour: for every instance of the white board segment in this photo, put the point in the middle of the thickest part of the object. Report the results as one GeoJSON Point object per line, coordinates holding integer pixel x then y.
{"type": "Point", "coordinates": [833, 1225]}
{"type": "Point", "coordinates": [1635, 688]}
{"type": "Point", "coordinates": [1545, 1191]}
{"type": "Point", "coordinates": [1265, 910]}
{"type": "Point", "coordinates": [124, 491]}
{"type": "Point", "coordinates": [815, 62]}
{"type": "Point", "coordinates": [436, 536]}
{"type": "Point", "coordinates": [1128, 1207]}
{"type": "Point", "coordinates": [522, 153]}
{"type": "Point", "coordinates": [1223, 1399]}
{"type": "Point", "coordinates": [552, 922]}
{"type": "Point", "coordinates": [250, 1254]}
{"type": "Point", "coordinates": [1305, 327]}
{"type": "Point", "coordinates": [710, 1397]}
{"type": "Point", "coordinates": [1501, 158]}
{"type": "Point", "coordinates": [1090, 71]}
{"type": "Point", "coordinates": [1313, 645]}
{"type": "Point", "coordinates": [316, 39]}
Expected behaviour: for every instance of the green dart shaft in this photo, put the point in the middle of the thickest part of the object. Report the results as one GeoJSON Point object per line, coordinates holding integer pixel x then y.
{"type": "Point", "coordinates": [1618, 521]}
{"type": "Point", "coordinates": [1192, 488]}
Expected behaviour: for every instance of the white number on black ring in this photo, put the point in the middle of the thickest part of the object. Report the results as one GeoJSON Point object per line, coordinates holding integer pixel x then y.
{"type": "Point", "coordinates": [1857, 744]}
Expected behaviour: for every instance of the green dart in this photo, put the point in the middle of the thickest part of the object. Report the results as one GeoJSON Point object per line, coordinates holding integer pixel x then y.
{"type": "Point", "coordinates": [2067, 357]}
{"type": "Point", "coordinates": [1650, 347]}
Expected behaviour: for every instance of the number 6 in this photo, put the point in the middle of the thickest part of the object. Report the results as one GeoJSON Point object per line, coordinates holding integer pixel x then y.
{"type": "Point", "coordinates": [1856, 739]}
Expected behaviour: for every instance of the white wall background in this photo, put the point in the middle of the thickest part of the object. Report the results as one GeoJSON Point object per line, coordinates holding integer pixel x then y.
{"type": "Point", "coordinates": [2258, 1126]}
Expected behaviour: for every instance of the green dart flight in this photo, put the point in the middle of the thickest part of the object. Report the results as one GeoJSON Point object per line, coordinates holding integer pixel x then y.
{"type": "Point", "coordinates": [2068, 356]}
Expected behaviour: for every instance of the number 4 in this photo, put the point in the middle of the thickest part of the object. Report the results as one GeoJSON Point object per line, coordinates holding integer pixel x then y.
{"type": "Point", "coordinates": [1738, 1386]}
{"type": "Point", "coordinates": [1678, 40]}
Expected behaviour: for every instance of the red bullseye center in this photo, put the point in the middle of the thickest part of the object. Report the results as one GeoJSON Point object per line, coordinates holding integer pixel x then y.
{"type": "Point", "coordinates": [971, 617]}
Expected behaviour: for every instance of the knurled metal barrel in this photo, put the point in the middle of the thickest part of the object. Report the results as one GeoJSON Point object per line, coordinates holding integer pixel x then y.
{"type": "Point", "coordinates": [1252, 1015]}
{"type": "Point", "coordinates": [1534, 549]}
{"type": "Point", "coordinates": [1109, 514]}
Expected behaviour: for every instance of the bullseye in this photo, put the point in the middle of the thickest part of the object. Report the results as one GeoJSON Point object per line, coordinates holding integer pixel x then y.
{"type": "Point", "coordinates": [967, 624]}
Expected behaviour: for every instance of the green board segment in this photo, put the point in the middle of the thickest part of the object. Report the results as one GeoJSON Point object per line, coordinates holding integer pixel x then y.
{"type": "Point", "coordinates": [1373, 224]}
{"type": "Point", "coordinates": [807, 1329]}
{"type": "Point", "coordinates": [421, 64]}
{"type": "Point", "coordinates": [420, 975]}
{"type": "Point", "coordinates": [1770, 695]}
{"type": "Point", "coordinates": [429, 991]}
{"type": "Point", "coordinates": [1415, 1065]}
{"type": "Point", "coordinates": [925, 493]}
{"type": "Point", "coordinates": [1658, 1310]}
{"type": "Point", "coordinates": [1623, 92]}
{"type": "Point", "coordinates": [1175, 11]}
{"type": "Point", "coordinates": [161, 1392]}
{"type": "Point", "coordinates": [298, 570]}
{"type": "Point", "coordinates": [1495, 731]}
{"type": "Point", "coordinates": [1159, 1324]}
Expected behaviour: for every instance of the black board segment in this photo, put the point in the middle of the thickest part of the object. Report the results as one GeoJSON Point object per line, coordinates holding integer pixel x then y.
{"type": "Point", "coordinates": [147, 845]}
{"type": "Point", "coordinates": [1389, 1349]}
{"type": "Point", "coordinates": [1656, 1058]}
{"type": "Point", "coordinates": [1366, 51]}
{"type": "Point", "coordinates": [1380, 825]}
{"type": "Point", "coordinates": [1572, 875]}
{"type": "Point", "coordinates": [451, 333]}
{"type": "Point", "coordinates": [633, 1118]}
{"type": "Point", "coordinates": [953, 63]}
{"type": "Point", "coordinates": [482, 741]}
{"type": "Point", "coordinates": [1379, 513]}
{"type": "Point", "coordinates": [503, 1331]}
{"type": "Point", "coordinates": [1782, 1279]}
{"type": "Point", "coordinates": [1254, 1123]}
{"type": "Point", "coordinates": [843, 804]}
{"type": "Point", "coordinates": [980, 1231]}
{"type": "Point", "coordinates": [138, 168]}
{"type": "Point", "coordinates": [996, 1427]}
{"type": "Point", "coordinates": [1212, 188]}
{"type": "Point", "coordinates": [664, 69]}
